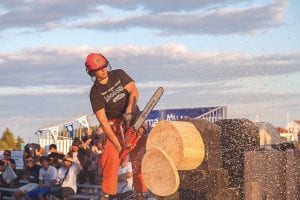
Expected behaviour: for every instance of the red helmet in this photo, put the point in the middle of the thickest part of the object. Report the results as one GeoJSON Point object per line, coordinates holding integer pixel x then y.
{"type": "Point", "coordinates": [94, 62]}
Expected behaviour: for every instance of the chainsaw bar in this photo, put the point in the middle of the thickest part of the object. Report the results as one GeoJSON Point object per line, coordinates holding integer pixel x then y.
{"type": "Point", "coordinates": [148, 108]}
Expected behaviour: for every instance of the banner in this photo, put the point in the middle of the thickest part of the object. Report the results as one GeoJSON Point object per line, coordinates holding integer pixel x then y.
{"type": "Point", "coordinates": [54, 131]}
{"type": "Point", "coordinates": [209, 113]}
{"type": "Point", "coordinates": [70, 129]}
{"type": "Point", "coordinates": [83, 121]}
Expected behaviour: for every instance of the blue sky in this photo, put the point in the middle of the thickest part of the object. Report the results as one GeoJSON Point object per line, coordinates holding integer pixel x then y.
{"type": "Point", "coordinates": [240, 54]}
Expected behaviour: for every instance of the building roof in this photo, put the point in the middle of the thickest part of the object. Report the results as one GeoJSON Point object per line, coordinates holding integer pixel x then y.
{"type": "Point", "coordinates": [282, 130]}
{"type": "Point", "coordinates": [297, 121]}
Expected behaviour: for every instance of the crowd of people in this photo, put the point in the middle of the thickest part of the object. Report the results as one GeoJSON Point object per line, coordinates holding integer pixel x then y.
{"type": "Point", "coordinates": [57, 176]}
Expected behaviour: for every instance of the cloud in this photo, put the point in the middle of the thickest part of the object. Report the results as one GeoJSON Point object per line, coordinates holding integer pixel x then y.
{"type": "Point", "coordinates": [43, 90]}
{"type": "Point", "coordinates": [166, 5]}
{"type": "Point", "coordinates": [60, 66]}
{"type": "Point", "coordinates": [221, 21]}
{"type": "Point", "coordinates": [216, 20]}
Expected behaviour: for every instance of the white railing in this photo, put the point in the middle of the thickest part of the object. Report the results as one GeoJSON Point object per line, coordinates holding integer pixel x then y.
{"type": "Point", "coordinates": [62, 145]}
{"type": "Point", "coordinates": [215, 114]}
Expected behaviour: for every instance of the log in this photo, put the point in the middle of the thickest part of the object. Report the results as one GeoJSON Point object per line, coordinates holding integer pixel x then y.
{"type": "Point", "coordinates": [181, 141]}
{"type": "Point", "coordinates": [211, 136]}
{"type": "Point", "coordinates": [159, 172]}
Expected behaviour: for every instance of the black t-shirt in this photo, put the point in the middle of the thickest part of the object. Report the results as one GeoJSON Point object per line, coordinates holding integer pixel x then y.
{"type": "Point", "coordinates": [32, 173]}
{"type": "Point", "coordinates": [111, 96]}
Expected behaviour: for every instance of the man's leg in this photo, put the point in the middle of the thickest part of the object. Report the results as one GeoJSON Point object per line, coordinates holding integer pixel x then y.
{"type": "Point", "coordinates": [110, 163]}
{"type": "Point", "coordinates": [18, 195]}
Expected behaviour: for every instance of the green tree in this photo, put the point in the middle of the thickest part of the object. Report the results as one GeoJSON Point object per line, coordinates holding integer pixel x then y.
{"type": "Point", "coordinates": [8, 141]}
{"type": "Point", "coordinates": [8, 138]}
{"type": "Point", "coordinates": [3, 145]}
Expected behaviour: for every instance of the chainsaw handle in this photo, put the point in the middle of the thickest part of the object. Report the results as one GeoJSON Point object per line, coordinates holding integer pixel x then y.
{"type": "Point", "coordinates": [131, 139]}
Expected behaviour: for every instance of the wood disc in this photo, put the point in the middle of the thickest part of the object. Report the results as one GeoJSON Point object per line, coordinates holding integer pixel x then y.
{"type": "Point", "coordinates": [181, 141]}
{"type": "Point", "coordinates": [159, 172]}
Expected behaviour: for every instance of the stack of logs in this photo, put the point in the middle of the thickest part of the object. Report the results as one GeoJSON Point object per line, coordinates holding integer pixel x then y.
{"type": "Point", "coordinates": [233, 167]}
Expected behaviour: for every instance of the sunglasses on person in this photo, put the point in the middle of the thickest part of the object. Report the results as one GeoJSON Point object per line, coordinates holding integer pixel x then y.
{"type": "Point", "coordinates": [29, 160]}
{"type": "Point", "coordinates": [6, 154]}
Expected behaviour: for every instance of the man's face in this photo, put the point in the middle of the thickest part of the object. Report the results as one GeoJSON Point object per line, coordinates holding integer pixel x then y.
{"type": "Point", "coordinates": [45, 164]}
{"type": "Point", "coordinates": [29, 162]}
{"type": "Point", "coordinates": [6, 156]}
{"type": "Point", "coordinates": [100, 145]}
{"type": "Point", "coordinates": [75, 148]}
{"type": "Point", "coordinates": [67, 163]}
{"type": "Point", "coordinates": [101, 74]}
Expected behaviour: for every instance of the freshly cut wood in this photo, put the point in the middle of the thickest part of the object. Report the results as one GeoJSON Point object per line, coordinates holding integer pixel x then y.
{"type": "Point", "coordinates": [159, 172]}
{"type": "Point", "coordinates": [181, 141]}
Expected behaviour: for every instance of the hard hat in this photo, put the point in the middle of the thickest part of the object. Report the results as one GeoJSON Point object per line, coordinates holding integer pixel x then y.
{"type": "Point", "coordinates": [94, 62]}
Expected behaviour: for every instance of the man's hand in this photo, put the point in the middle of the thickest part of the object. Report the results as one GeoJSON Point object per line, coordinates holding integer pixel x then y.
{"type": "Point", "coordinates": [128, 117]}
{"type": "Point", "coordinates": [117, 145]}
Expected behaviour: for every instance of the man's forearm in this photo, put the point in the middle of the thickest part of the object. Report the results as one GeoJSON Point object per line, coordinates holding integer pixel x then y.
{"type": "Point", "coordinates": [133, 97]}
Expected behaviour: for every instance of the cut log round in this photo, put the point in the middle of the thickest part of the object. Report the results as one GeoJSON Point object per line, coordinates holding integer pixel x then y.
{"type": "Point", "coordinates": [181, 141]}
{"type": "Point", "coordinates": [159, 172]}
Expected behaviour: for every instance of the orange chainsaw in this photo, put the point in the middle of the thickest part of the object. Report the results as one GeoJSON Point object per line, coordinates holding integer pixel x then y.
{"type": "Point", "coordinates": [134, 132]}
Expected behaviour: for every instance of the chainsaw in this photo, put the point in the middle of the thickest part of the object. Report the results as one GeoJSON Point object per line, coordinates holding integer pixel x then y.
{"type": "Point", "coordinates": [134, 132]}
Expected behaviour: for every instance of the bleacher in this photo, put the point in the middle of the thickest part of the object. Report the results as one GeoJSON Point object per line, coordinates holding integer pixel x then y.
{"type": "Point", "coordinates": [85, 192]}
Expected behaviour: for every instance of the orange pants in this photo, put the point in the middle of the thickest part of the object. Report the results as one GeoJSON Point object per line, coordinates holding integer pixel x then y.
{"type": "Point", "coordinates": [110, 163]}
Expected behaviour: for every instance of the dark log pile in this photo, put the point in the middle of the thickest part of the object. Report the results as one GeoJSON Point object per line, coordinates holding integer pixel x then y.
{"type": "Point", "coordinates": [238, 136]}
{"type": "Point", "coordinates": [234, 167]}
{"type": "Point", "coordinates": [209, 181]}
{"type": "Point", "coordinates": [272, 175]}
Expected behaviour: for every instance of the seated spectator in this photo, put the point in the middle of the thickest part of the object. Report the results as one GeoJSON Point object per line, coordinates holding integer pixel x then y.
{"type": "Point", "coordinates": [55, 157]}
{"type": "Point", "coordinates": [97, 149]}
{"type": "Point", "coordinates": [4, 163]}
{"type": "Point", "coordinates": [35, 150]}
{"type": "Point", "coordinates": [125, 179]}
{"type": "Point", "coordinates": [88, 137]}
{"type": "Point", "coordinates": [67, 178]}
{"type": "Point", "coordinates": [8, 177]}
{"type": "Point", "coordinates": [47, 179]}
{"type": "Point", "coordinates": [80, 152]}
{"type": "Point", "coordinates": [31, 174]}
{"type": "Point", "coordinates": [92, 165]}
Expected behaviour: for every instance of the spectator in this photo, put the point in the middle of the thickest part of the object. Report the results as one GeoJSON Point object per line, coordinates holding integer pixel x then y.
{"type": "Point", "coordinates": [67, 178]}
{"type": "Point", "coordinates": [8, 176]}
{"type": "Point", "coordinates": [125, 179]}
{"type": "Point", "coordinates": [99, 148]}
{"type": "Point", "coordinates": [4, 164]}
{"type": "Point", "coordinates": [31, 174]}
{"type": "Point", "coordinates": [47, 179]}
{"type": "Point", "coordinates": [92, 165]}
{"type": "Point", "coordinates": [80, 152]}
{"type": "Point", "coordinates": [88, 137]}
{"type": "Point", "coordinates": [35, 150]}
{"type": "Point", "coordinates": [55, 157]}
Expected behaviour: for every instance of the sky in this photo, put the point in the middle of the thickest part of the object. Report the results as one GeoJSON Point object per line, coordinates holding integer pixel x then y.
{"type": "Point", "coordinates": [241, 54]}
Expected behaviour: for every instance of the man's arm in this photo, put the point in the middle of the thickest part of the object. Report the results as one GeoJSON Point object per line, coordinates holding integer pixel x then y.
{"type": "Point", "coordinates": [124, 177]}
{"type": "Point", "coordinates": [133, 97]}
{"type": "Point", "coordinates": [101, 116]}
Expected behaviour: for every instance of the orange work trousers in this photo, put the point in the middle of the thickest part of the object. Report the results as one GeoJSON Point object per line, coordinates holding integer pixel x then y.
{"type": "Point", "coordinates": [110, 163]}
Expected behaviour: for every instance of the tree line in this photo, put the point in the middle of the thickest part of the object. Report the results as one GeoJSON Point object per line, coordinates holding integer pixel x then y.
{"type": "Point", "coordinates": [8, 141]}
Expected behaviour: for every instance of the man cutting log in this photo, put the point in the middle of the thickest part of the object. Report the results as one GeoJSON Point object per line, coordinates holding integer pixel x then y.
{"type": "Point", "coordinates": [114, 98]}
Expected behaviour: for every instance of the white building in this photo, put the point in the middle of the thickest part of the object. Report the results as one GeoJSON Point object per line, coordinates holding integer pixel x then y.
{"type": "Point", "coordinates": [293, 129]}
